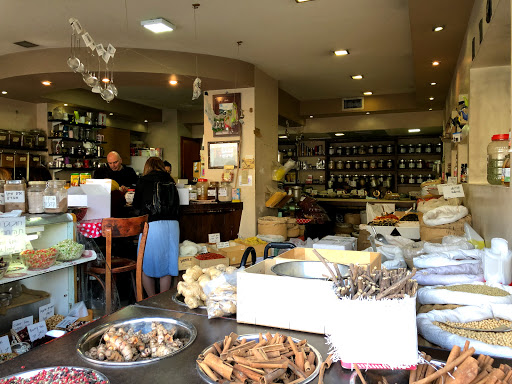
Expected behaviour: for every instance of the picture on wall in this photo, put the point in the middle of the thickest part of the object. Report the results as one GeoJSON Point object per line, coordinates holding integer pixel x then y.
{"type": "Point", "coordinates": [222, 153]}
{"type": "Point", "coordinates": [228, 108]}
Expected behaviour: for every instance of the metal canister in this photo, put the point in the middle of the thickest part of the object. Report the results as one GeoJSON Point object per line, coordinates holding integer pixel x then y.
{"type": "Point", "coordinates": [75, 180]}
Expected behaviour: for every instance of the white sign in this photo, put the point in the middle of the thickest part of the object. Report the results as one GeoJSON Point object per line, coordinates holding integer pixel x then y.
{"type": "Point", "coordinates": [19, 324]}
{"type": "Point", "coordinates": [37, 331]}
{"type": "Point", "coordinates": [46, 311]}
{"type": "Point", "coordinates": [214, 238]}
{"type": "Point", "coordinates": [14, 196]}
{"type": "Point", "coordinates": [452, 180]}
{"type": "Point", "coordinates": [223, 244]}
{"type": "Point", "coordinates": [247, 184]}
{"type": "Point", "coordinates": [67, 321]}
{"type": "Point", "coordinates": [5, 347]}
{"type": "Point", "coordinates": [50, 202]}
{"type": "Point", "coordinates": [12, 235]}
{"type": "Point", "coordinates": [453, 190]}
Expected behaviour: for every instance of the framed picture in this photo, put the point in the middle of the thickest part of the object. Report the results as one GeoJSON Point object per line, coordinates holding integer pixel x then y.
{"type": "Point", "coordinates": [228, 106]}
{"type": "Point", "coordinates": [221, 153]}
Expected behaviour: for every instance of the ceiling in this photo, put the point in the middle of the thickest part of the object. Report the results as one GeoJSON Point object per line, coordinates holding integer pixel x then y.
{"type": "Point", "coordinates": [391, 43]}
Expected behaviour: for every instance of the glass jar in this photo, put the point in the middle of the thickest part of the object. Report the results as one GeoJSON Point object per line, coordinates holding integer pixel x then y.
{"type": "Point", "coordinates": [373, 182]}
{"type": "Point", "coordinates": [390, 149]}
{"type": "Point", "coordinates": [339, 151]}
{"type": "Point", "coordinates": [361, 150]}
{"type": "Point", "coordinates": [412, 164]}
{"type": "Point", "coordinates": [15, 191]}
{"type": "Point", "coordinates": [402, 149]}
{"type": "Point", "coordinates": [2, 196]}
{"type": "Point", "coordinates": [380, 164]}
{"type": "Point", "coordinates": [35, 196]}
{"type": "Point", "coordinates": [439, 148]}
{"type": "Point", "coordinates": [381, 179]}
{"type": "Point", "coordinates": [428, 148]}
{"type": "Point", "coordinates": [380, 149]}
{"type": "Point", "coordinates": [411, 149]}
{"type": "Point", "coordinates": [401, 165]}
{"type": "Point", "coordinates": [55, 197]}
{"type": "Point", "coordinates": [339, 164]}
{"type": "Point", "coordinates": [331, 150]}
{"type": "Point", "coordinates": [429, 177]}
{"type": "Point", "coordinates": [357, 164]}
{"type": "Point", "coordinates": [373, 164]}
{"type": "Point", "coordinates": [4, 137]}
{"type": "Point", "coordinates": [331, 164]}
{"type": "Point", "coordinates": [224, 192]}
{"type": "Point", "coordinates": [496, 152]}
{"type": "Point", "coordinates": [14, 139]}
{"type": "Point", "coordinates": [419, 148]}
{"type": "Point", "coordinates": [348, 164]}
{"type": "Point", "coordinates": [419, 179]}
{"type": "Point", "coordinates": [354, 150]}
{"type": "Point", "coordinates": [365, 164]}
{"type": "Point", "coordinates": [402, 179]}
{"type": "Point", "coordinates": [419, 163]}
{"type": "Point", "coordinates": [348, 151]}
{"type": "Point", "coordinates": [371, 150]}
{"type": "Point", "coordinates": [389, 164]}
{"type": "Point", "coordinates": [411, 179]}
{"type": "Point", "coordinates": [340, 179]}
{"type": "Point", "coordinates": [202, 189]}
{"type": "Point", "coordinates": [192, 192]}
{"type": "Point", "coordinates": [213, 189]}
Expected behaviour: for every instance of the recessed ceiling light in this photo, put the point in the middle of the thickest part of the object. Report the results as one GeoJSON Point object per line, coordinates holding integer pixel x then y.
{"type": "Point", "coordinates": [4, 92]}
{"type": "Point", "coordinates": [367, 113]}
{"type": "Point", "coordinates": [106, 80]}
{"type": "Point", "coordinates": [158, 25]}
{"type": "Point", "coordinates": [356, 77]}
{"type": "Point", "coordinates": [339, 134]}
{"type": "Point", "coordinates": [283, 137]}
{"type": "Point", "coordinates": [438, 28]}
{"type": "Point", "coordinates": [173, 82]}
{"type": "Point", "coordinates": [368, 93]}
{"type": "Point", "coordinates": [430, 109]}
{"type": "Point", "coordinates": [435, 63]}
{"type": "Point", "coordinates": [431, 98]}
{"type": "Point", "coordinates": [433, 83]}
{"type": "Point", "coordinates": [341, 52]}
{"type": "Point", "coordinates": [111, 114]}
{"type": "Point", "coordinates": [302, 1]}
{"type": "Point", "coordinates": [310, 116]}
{"type": "Point", "coordinates": [414, 130]}
{"type": "Point", "coordinates": [145, 121]}
{"type": "Point", "coordinates": [65, 105]}
{"type": "Point", "coordinates": [46, 82]}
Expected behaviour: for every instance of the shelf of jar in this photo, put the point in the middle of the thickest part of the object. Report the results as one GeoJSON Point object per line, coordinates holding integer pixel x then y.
{"type": "Point", "coordinates": [76, 140]}
{"type": "Point", "coordinates": [72, 169]}
{"type": "Point", "coordinates": [364, 170]}
{"type": "Point", "coordinates": [77, 156]}
{"type": "Point", "coordinates": [28, 149]}
{"type": "Point", "coordinates": [311, 169]}
{"type": "Point", "coordinates": [299, 156]}
{"type": "Point", "coordinates": [416, 155]}
{"type": "Point", "coordinates": [409, 184]}
{"type": "Point", "coordinates": [302, 184]}
{"type": "Point", "coordinates": [405, 170]}
{"type": "Point", "coordinates": [67, 122]}
{"type": "Point", "coordinates": [374, 156]}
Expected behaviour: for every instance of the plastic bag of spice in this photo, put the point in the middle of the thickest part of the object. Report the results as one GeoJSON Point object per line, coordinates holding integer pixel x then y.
{"type": "Point", "coordinates": [221, 295]}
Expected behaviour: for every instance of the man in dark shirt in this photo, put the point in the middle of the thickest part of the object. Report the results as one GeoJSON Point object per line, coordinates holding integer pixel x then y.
{"type": "Point", "coordinates": [123, 175]}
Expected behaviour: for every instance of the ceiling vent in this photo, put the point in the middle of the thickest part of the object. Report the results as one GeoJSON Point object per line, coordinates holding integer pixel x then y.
{"type": "Point", "coordinates": [26, 44]}
{"type": "Point", "coordinates": [352, 104]}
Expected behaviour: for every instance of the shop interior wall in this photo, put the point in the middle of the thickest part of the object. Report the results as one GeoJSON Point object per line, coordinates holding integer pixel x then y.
{"type": "Point", "coordinates": [248, 193]}
{"type": "Point", "coordinates": [18, 115]}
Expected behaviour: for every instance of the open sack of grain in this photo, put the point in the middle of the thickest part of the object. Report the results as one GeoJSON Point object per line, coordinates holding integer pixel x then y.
{"type": "Point", "coordinates": [486, 316]}
{"type": "Point", "coordinates": [466, 294]}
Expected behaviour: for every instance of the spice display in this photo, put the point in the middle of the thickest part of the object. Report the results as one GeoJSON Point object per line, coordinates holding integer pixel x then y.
{"type": "Point", "coordinates": [385, 220]}
{"type": "Point", "coordinates": [15, 195]}
{"type": "Point", "coordinates": [269, 359]}
{"type": "Point", "coordinates": [495, 338]}
{"type": "Point", "coordinates": [7, 356]}
{"type": "Point", "coordinates": [40, 259]}
{"type": "Point", "coordinates": [209, 256]}
{"type": "Point", "coordinates": [35, 196]}
{"type": "Point", "coordinates": [59, 375]}
{"type": "Point", "coordinates": [251, 241]}
{"type": "Point", "coordinates": [51, 322]}
{"type": "Point", "coordinates": [127, 345]}
{"type": "Point", "coordinates": [55, 197]}
{"type": "Point", "coordinates": [478, 289]}
{"type": "Point", "coordinates": [69, 250]}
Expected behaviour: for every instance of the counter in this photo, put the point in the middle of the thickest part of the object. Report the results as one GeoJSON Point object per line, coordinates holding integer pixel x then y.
{"type": "Point", "coordinates": [197, 220]}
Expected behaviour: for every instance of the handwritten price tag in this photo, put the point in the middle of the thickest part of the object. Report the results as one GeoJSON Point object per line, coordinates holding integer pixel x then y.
{"type": "Point", "coordinates": [5, 347]}
{"type": "Point", "coordinates": [214, 238]}
{"type": "Point", "coordinates": [37, 331]}
{"type": "Point", "coordinates": [452, 180]}
{"type": "Point", "coordinates": [46, 311]}
{"type": "Point", "coordinates": [67, 320]}
{"type": "Point", "coordinates": [453, 190]}
{"type": "Point", "coordinates": [223, 244]}
{"type": "Point", "coordinates": [19, 324]}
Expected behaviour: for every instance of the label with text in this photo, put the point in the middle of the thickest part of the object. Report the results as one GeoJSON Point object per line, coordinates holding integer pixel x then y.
{"type": "Point", "coordinates": [223, 244]}
{"type": "Point", "coordinates": [19, 324]}
{"type": "Point", "coordinates": [37, 331]}
{"type": "Point", "coordinates": [5, 347]}
{"type": "Point", "coordinates": [214, 238]}
{"type": "Point", "coordinates": [46, 311]}
{"type": "Point", "coordinates": [50, 202]}
{"type": "Point", "coordinates": [12, 235]}
{"type": "Point", "coordinates": [452, 180]}
{"type": "Point", "coordinates": [453, 190]}
{"type": "Point", "coordinates": [67, 321]}
{"type": "Point", "coordinates": [14, 196]}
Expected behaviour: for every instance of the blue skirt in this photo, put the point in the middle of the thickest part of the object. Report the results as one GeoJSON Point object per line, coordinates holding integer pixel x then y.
{"type": "Point", "coordinates": [162, 249]}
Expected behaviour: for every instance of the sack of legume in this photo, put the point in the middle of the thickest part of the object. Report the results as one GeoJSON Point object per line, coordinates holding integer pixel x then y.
{"type": "Point", "coordinates": [466, 294]}
{"type": "Point", "coordinates": [69, 250]}
{"type": "Point", "coordinates": [488, 316]}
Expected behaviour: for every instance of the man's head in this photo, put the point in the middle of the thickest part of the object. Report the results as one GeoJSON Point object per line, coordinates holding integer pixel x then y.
{"type": "Point", "coordinates": [168, 167]}
{"type": "Point", "coordinates": [114, 161]}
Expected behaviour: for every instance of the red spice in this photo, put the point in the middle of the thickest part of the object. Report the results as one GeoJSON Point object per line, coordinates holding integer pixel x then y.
{"type": "Point", "coordinates": [209, 256]}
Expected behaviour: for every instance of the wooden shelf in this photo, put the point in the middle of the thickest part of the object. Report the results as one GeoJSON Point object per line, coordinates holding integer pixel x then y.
{"type": "Point", "coordinates": [67, 122]}
{"type": "Point", "coordinates": [76, 140]}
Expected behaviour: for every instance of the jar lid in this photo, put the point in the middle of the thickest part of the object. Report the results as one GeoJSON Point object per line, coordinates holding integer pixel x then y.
{"type": "Point", "coordinates": [202, 180]}
{"type": "Point", "coordinates": [37, 183]}
{"type": "Point", "coordinates": [14, 182]}
{"type": "Point", "coordinates": [503, 136]}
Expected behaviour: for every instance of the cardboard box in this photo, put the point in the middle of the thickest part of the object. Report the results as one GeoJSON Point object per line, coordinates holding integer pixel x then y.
{"type": "Point", "coordinates": [288, 302]}
{"type": "Point", "coordinates": [77, 197]}
{"type": "Point", "coordinates": [234, 253]}
{"type": "Point", "coordinates": [211, 263]}
{"type": "Point", "coordinates": [339, 243]}
{"type": "Point", "coordinates": [185, 262]}
{"type": "Point", "coordinates": [435, 234]}
{"type": "Point", "coordinates": [407, 229]}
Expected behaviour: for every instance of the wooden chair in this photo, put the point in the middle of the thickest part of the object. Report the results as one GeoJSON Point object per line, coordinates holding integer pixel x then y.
{"type": "Point", "coordinates": [113, 228]}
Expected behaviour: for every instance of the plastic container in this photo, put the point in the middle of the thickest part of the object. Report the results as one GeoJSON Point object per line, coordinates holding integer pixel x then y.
{"type": "Point", "coordinates": [202, 189]}
{"type": "Point", "coordinates": [224, 192]}
{"type": "Point", "coordinates": [35, 195]}
{"type": "Point", "coordinates": [129, 195]}
{"type": "Point", "coordinates": [55, 197]}
{"type": "Point", "coordinates": [496, 152]}
{"type": "Point", "coordinates": [498, 262]}
{"type": "Point", "coordinates": [213, 190]}
{"type": "Point", "coordinates": [40, 259]}
{"type": "Point", "coordinates": [15, 191]}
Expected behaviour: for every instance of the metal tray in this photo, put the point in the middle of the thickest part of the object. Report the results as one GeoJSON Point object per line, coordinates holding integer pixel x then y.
{"type": "Point", "coordinates": [254, 336]}
{"type": "Point", "coordinates": [179, 299]}
{"type": "Point", "coordinates": [30, 374]}
{"type": "Point", "coordinates": [307, 269]}
{"type": "Point", "coordinates": [185, 331]}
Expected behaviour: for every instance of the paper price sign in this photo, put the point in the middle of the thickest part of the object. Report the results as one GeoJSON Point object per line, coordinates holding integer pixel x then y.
{"type": "Point", "coordinates": [19, 324]}
{"type": "Point", "coordinates": [14, 196]}
{"type": "Point", "coordinates": [12, 235]}
{"type": "Point", "coordinates": [37, 331]}
{"type": "Point", "coordinates": [214, 238]}
{"type": "Point", "coordinates": [67, 321]}
{"type": "Point", "coordinates": [453, 190]}
{"type": "Point", "coordinates": [46, 311]}
{"type": "Point", "coordinates": [223, 244]}
{"type": "Point", "coordinates": [5, 347]}
{"type": "Point", "coordinates": [452, 180]}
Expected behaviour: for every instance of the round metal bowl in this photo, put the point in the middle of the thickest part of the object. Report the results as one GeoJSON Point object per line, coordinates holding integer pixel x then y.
{"type": "Point", "coordinates": [29, 374]}
{"type": "Point", "coordinates": [185, 331]}
{"type": "Point", "coordinates": [307, 269]}
{"type": "Point", "coordinates": [180, 300]}
{"type": "Point", "coordinates": [251, 337]}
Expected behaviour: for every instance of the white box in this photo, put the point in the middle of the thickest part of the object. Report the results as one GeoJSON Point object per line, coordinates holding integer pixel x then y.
{"type": "Point", "coordinates": [98, 201]}
{"type": "Point", "coordinates": [407, 229]}
{"type": "Point", "coordinates": [339, 243]}
{"type": "Point", "coordinates": [77, 197]}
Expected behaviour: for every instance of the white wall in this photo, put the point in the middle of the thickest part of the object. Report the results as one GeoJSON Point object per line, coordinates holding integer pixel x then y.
{"type": "Point", "coordinates": [18, 115]}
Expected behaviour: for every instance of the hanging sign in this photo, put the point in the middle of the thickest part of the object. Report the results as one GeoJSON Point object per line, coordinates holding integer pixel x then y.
{"type": "Point", "coordinates": [12, 235]}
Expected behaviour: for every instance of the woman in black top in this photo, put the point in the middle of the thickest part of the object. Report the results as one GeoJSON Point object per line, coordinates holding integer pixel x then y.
{"type": "Point", "coordinates": [156, 195]}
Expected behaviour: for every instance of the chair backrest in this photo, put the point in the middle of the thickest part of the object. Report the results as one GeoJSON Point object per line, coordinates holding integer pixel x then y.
{"type": "Point", "coordinates": [131, 226]}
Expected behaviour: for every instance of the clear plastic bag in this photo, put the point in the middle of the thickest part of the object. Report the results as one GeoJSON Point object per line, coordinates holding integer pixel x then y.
{"type": "Point", "coordinates": [221, 295]}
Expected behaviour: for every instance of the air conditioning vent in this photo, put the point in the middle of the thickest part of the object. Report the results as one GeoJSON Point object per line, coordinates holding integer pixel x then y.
{"type": "Point", "coordinates": [26, 44]}
{"type": "Point", "coordinates": [353, 104]}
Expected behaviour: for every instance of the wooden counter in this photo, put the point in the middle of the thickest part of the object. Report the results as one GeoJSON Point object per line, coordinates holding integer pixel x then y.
{"type": "Point", "coordinates": [198, 220]}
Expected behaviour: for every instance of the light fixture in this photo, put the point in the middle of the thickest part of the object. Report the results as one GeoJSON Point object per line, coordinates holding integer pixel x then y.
{"type": "Point", "coordinates": [106, 80]}
{"type": "Point", "coordinates": [173, 82]}
{"type": "Point", "coordinates": [46, 82]}
{"type": "Point", "coordinates": [4, 92]}
{"type": "Point", "coordinates": [145, 121]}
{"type": "Point", "coordinates": [283, 137]}
{"type": "Point", "coordinates": [158, 25]}
{"type": "Point", "coordinates": [356, 77]}
{"type": "Point", "coordinates": [438, 28]}
{"type": "Point", "coordinates": [367, 113]}
{"type": "Point", "coordinates": [435, 63]}
{"type": "Point", "coordinates": [430, 109]}
{"type": "Point", "coordinates": [414, 130]}
{"type": "Point", "coordinates": [65, 105]}
{"type": "Point", "coordinates": [368, 93]}
{"type": "Point", "coordinates": [310, 116]}
{"type": "Point", "coordinates": [111, 114]}
{"type": "Point", "coordinates": [339, 134]}
{"type": "Point", "coordinates": [431, 98]}
{"type": "Point", "coordinates": [302, 1]}
{"type": "Point", "coordinates": [341, 52]}
{"type": "Point", "coordinates": [433, 83]}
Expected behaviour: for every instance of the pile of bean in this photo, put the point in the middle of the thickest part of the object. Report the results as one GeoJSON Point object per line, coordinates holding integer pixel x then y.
{"type": "Point", "coordinates": [51, 322]}
{"type": "Point", "coordinates": [494, 338]}
{"type": "Point", "coordinates": [59, 375]}
{"type": "Point", "coordinates": [479, 289]}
